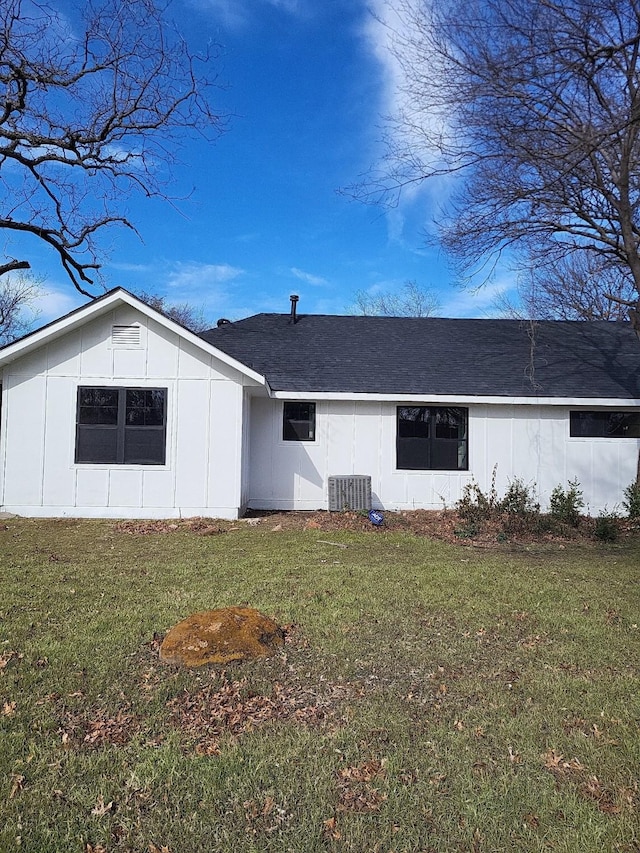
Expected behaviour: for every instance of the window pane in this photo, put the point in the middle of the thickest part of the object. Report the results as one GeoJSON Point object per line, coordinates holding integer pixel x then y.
{"type": "Point", "coordinates": [299, 421]}
{"type": "Point", "coordinates": [144, 446]}
{"type": "Point", "coordinates": [413, 422]}
{"type": "Point", "coordinates": [121, 426]}
{"type": "Point", "coordinates": [450, 423]}
{"type": "Point", "coordinates": [96, 444]}
{"type": "Point", "coordinates": [299, 411]}
{"type": "Point", "coordinates": [98, 406]}
{"type": "Point", "coordinates": [145, 407]}
{"type": "Point", "coordinates": [444, 454]}
{"type": "Point", "coordinates": [604, 424]}
{"type": "Point", "coordinates": [413, 454]}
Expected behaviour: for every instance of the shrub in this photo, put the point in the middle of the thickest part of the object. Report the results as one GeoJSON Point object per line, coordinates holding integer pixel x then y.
{"type": "Point", "coordinates": [513, 512]}
{"type": "Point", "coordinates": [606, 529]}
{"type": "Point", "coordinates": [631, 501]}
{"type": "Point", "coordinates": [520, 499]}
{"type": "Point", "coordinates": [468, 531]}
{"type": "Point", "coordinates": [566, 505]}
{"type": "Point", "coordinates": [476, 507]}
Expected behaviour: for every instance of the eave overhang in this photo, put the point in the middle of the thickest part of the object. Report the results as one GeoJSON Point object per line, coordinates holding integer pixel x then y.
{"type": "Point", "coordinates": [460, 399]}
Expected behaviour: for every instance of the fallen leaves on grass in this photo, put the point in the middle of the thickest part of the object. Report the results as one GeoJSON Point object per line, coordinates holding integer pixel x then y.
{"type": "Point", "coordinates": [356, 791]}
{"type": "Point", "coordinates": [98, 728]}
{"type": "Point", "coordinates": [589, 786]}
{"type": "Point", "coordinates": [561, 769]}
{"type": "Point", "coordinates": [534, 641]}
{"type": "Point", "coordinates": [9, 709]}
{"type": "Point", "coordinates": [264, 815]}
{"type": "Point", "coordinates": [232, 707]}
{"type": "Point", "coordinates": [7, 657]}
{"type": "Point", "coordinates": [514, 757]}
{"type": "Point", "coordinates": [330, 829]}
{"type": "Point", "coordinates": [17, 784]}
{"type": "Point", "coordinates": [101, 808]}
{"type": "Point", "coordinates": [578, 725]}
{"type": "Point", "coordinates": [593, 790]}
{"type": "Point", "coordinates": [115, 730]}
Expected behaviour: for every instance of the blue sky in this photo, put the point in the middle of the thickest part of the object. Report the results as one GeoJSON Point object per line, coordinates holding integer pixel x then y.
{"type": "Point", "coordinates": [306, 85]}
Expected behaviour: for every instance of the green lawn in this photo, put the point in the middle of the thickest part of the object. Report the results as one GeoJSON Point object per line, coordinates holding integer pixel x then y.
{"type": "Point", "coordinates": [429, 697]}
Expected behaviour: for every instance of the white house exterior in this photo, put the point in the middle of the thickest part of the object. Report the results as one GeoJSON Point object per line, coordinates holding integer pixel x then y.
{"type": "Point", "coordinates": [205, 400]}
{"type": "Point", "coordinates": [530, 441]}
{"type": "Point", "coordinates": [232, 425]}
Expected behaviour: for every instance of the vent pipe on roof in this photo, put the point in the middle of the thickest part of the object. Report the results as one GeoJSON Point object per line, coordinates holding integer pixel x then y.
{"type": "Point", "coordinates": [294, 302]}
{"type": "Point", "coordinates": [223, 322]}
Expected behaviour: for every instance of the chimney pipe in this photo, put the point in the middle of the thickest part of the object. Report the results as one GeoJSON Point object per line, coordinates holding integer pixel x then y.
{"type": "Point", "coordinates": [294, 301]}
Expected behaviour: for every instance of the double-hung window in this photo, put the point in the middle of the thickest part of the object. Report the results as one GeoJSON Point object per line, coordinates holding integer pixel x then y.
{"type": "Point", "coordinates": [432, 438]}
{"type": "Point", "coordinates": [121, 426]}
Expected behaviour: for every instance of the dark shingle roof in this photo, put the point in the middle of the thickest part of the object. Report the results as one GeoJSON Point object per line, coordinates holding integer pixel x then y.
{"type": "Point", "coordinates": [399, 355]}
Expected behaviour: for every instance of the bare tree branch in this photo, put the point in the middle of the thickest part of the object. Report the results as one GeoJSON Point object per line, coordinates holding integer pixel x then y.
{"type": "Point", "coordinates": [13, 266]}
{"type": "Point", "coordinates": [580, 286]}
{"type": "Point", "coordinates": [91, 110]}
{"type": "Point", "coordinates": [189, 316]}
{"type": "Point", "coordinates": [411, 300]}
{"type": "Point", "coordinates": [533, 107]}
{"type": "Point", "coordinates": [18, 312]}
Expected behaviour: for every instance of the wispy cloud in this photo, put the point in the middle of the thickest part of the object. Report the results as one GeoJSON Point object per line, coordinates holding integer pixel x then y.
{"type": "Point", "coordinates": [56, 300]}
{"type": "Point", "coordinates": [198, 275]}
{"type": "Point", "coordinates": [213, 287]}
{"type": "Point", "coordinates": [388, 34]}
{"type": "Point", "coordinates": [482, 301]}
{"type": "Point", "coordinates": [390, 31]}
{"type": "Point", "coordinates": [234, 14]}
{"type": "Point", "coordinates": [309, 278]}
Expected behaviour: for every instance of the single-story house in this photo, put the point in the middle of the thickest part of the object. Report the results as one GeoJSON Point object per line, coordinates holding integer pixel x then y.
{"type": "Point", "coordinates": [117, 411]}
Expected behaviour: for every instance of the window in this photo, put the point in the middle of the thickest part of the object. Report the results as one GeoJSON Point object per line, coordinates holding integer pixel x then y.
{"type": "Point", "coordinates": [432, 438]}
{"type": "Point", "coordinates": [604, 424]}
{"type": "Point", "coordinates": [121, 426]}
{"type": "Point", "coordinates": [299, 422]}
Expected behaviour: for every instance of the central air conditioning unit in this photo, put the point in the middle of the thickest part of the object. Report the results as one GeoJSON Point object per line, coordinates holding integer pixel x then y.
{"type": "Point", "coordinates": [349, 492]}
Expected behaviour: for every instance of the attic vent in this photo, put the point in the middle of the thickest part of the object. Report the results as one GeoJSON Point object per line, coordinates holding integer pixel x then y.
{"type": "Point", "coordinates": [350, 492]}
{"type": "Point", "coordinates": [125, 336]}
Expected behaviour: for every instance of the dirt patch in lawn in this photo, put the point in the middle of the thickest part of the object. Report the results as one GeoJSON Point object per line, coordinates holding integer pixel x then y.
{"type": "Point", "coordinates": [443, 525]}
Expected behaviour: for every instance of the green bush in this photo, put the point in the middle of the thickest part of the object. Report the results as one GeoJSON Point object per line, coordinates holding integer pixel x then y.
{"type": "Point", "coordinates": [520, 499]}
{"type": "Point", "coordinates": [631, 501]}
{"type": "Point", "coordinates": [468, 531]}
{"type": "Point", "coordinates": [515, 511]}
{"type": "Point", "coordinates": [566, 504]}
{"type": "Point", "coordinates": [606, 529]}
{"type": "Point", "coordinates": [476, 507]}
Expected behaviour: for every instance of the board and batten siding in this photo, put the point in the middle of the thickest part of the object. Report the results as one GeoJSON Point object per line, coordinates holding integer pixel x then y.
{"type": "Point", "coordinates": [202, 474]}
{"type": "Point", "coordinates": [531, 442]}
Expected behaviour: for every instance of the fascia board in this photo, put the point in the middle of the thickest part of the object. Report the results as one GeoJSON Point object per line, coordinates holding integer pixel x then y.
{"type": "Point", "coordinates": [102, 305]}
{"type": "Point", "coordinates": [585, 402]}
{"type": "Point", "coordinates": [57, 328]}
{"type": "Point", "coordinates": [192, 338]}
